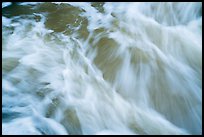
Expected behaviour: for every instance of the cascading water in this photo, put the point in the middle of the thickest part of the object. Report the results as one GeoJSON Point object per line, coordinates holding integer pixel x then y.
{"type": "Point", "coordinates": [101, 68]}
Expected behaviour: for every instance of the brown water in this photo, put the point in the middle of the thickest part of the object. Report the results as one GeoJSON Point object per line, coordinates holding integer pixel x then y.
{"type": "Point", "coordinates": [101, 68]}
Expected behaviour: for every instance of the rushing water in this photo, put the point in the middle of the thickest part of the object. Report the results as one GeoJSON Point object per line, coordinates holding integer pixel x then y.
{"type": "Point", "coordinates": [101, 68]}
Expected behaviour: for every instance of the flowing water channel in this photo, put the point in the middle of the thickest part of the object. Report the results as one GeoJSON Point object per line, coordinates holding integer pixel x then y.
{"type": "Point", "coordinates": [101, 68]}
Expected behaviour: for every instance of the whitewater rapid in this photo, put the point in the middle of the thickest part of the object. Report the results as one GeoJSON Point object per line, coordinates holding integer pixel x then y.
{"type": "Point", "coordinates": [101, 68]}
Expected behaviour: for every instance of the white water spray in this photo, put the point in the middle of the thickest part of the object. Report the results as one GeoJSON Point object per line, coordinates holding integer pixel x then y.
{"type": "Point", "coordinates": [102, 68]}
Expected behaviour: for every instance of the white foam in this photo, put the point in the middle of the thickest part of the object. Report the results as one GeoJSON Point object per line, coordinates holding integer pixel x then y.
{"type": "Point", "coordinates": [145, 79]}
{"type": "Point", "coordinates": [6, 4]}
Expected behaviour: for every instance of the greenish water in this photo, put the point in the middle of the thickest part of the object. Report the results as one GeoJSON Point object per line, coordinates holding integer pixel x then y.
{"type": "Point", "coordinates": [101, 68]}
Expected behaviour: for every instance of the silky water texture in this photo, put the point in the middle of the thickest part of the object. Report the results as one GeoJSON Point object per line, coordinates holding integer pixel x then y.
{"type": "Point", "coordinates": [101, 68]}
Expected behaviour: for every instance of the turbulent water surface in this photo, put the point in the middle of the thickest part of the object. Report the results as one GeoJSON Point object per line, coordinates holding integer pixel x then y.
{"type": "Point", "coordinates": [101, 68]}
